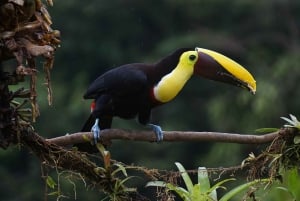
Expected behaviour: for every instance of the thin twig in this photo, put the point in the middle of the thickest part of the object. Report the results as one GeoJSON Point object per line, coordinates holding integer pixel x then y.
{"type": "Point", "coordinates": [169, 136]}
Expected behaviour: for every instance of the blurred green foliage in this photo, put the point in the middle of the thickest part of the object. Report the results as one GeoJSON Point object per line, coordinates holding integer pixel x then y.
{"type": "Point", "coordinates": [287, 190]}
{"type": "Point", "coordinates": [97, 35]}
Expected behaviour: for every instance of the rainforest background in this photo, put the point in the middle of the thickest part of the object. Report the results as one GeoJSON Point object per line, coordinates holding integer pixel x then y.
{"type": "Point", "coordinates": [98, 35]}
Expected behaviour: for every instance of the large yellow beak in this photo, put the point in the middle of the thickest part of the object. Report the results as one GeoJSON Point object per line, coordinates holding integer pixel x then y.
{"type": "Point", "coordinates": [215, 66]}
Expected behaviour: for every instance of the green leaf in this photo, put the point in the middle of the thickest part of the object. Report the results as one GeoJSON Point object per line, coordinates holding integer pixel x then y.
{"type": "Point", "coordinates": [186, 178]}
{"type": "Point", "coordinates": [213, 189]}
{"type": "Point", "coordinates": [205, 192]}
{"type": "Point", "coordinates": [205, 196]}
{"type": "Point", "coordinates": [293, 118]}
{"type": "Point", "coordinates": [293, 121]}
{"type": "Point", "coordinates": [287, 120]}
{"type": "Point", "coordinates": [203, 179]}
{"type": "Point", "coordinates": [196, 195]}
{"type": "Point", "coordinates": [126, 179]}
{"type": "Point", "coordinates": [241, 188]}
{"type": "Point", "coordinates": [120, 185]}
{"type": "Point", "coordinates": [120, 168]}
{"type": "Point", "coordinates": [55, 193]}
{"type": "Point", "coordinates": [287, 191]}
{"type": "Point", "coordinates": [297, 139]}
{"type": "Point", "coordinates": [99, 170]}
{"type": "Point", "coordinates": [101, 149]}
{"type": "Point", "coordinates": [183, 193]}
{"type": "Point", "coordinates": [196, 191]}
{"type": "Point", "coordinates": [293, 182]}
{"type": "Point", "coordinates": [265, 130]}
{"type": "Point", "coordinates": [275, 158]}
{"type": "Point", "coordinates": [50, 182]}
{"type": "Point", "coordinates": [283, 189]}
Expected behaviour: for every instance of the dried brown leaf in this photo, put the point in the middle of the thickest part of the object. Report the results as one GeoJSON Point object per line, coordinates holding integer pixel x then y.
{"type": "Point", "coordinates": [36, 50]}
{"type": "Point", "coordinates": [18, 2]}
{"type": "Point", "coordinates": [50, 2]}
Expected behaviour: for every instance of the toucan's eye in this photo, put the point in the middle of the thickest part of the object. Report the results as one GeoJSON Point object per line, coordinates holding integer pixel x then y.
{"type": "Point", "coordinates": [192, 57]}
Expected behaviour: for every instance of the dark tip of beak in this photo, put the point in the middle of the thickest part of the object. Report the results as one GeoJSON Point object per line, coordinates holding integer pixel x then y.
{"type": "Point", "coordinates": [228, 78]}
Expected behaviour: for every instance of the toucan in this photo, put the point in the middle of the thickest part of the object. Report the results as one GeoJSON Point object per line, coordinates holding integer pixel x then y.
{"type": "Point", "coordinates": [132, 90]}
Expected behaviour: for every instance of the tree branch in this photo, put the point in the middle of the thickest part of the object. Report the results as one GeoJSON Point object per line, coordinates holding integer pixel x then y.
{"type": "Point", "coordinates": [169, 136]}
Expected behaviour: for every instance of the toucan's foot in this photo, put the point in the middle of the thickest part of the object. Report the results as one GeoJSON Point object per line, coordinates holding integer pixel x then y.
{"type": "Point", "coordinates": [158, 132]}
{"type": "Point", "coordinates": [96, 131]}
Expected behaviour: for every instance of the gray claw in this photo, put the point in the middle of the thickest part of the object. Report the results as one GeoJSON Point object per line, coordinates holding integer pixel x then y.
{"type": "Point", "coordinates": [96, 131]}
{"type": "Point", "coordinates": [158, 132]}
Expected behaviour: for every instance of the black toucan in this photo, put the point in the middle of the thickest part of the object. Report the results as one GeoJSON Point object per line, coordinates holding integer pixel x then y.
{"type": "Point", "coordinates": [132, 90]}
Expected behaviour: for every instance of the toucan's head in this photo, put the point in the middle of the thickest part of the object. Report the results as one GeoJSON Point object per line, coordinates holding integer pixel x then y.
{"type": "Point", "coordinates": [215, 66]}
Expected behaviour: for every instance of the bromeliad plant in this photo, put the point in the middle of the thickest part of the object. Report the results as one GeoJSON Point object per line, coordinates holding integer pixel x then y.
{"type": "Point", "coordinates": [202, 191]}
{"type": "Point", "coordinates": [293, 122]}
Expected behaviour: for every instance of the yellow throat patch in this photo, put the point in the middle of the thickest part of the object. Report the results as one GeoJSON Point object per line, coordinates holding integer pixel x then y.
{"type": "Point", "coordinates": [171, 84]}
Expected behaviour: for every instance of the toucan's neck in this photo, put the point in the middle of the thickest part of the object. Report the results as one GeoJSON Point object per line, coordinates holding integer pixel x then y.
{"type": "Point", "coordinates": [172, 83]}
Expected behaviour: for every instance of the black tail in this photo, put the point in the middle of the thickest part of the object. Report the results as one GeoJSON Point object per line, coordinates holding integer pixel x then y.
{"type": "Point", "coordinates": [104, 123]}
{"type": "Point", "coordinates": [88, 124]}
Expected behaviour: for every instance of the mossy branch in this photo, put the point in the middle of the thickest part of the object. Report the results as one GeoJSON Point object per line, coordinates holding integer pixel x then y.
{"type": "Point", "coordinates": [53, 155]}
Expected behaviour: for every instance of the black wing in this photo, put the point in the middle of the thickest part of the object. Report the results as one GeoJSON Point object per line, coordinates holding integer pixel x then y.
{"type": "Point", "coordinates": [122, 81]}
